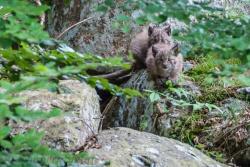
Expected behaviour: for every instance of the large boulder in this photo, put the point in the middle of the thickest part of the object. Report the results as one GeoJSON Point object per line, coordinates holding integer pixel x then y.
{"type": "Point", "coordinates": [79, 120]}
{"type": "Point", "coordinates": [125, 147]}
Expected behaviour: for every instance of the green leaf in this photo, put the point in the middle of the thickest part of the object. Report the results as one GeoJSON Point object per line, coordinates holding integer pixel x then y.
{"type": "Point", "coordinates": [102, 8]}
{"type": "Point", "coordinates": [30, 139]}
{"type": "Point", "coordinates": [141, 20]}
{"type": "Point", "coordinates": [27, 115]}
{"type": "Point", "coordinates": [122, 17]}
{"type": "Point", "coordinates": [5, 42]}
{"type": "Point", "coordinates": [6, 85]}
{"type": "Point", "coordinates": [54, 113]}
{"type": "Point", "coordinates": [197, 106]}
{"type": "Point", "coordinates": [125, 28]}
{"type": "Point", "coordinates": [153, 8]}
{"type": "Point", "coordinates": [4, 111]}
{"type": "Point", "coordinates": [131, 92]}
{"type": "Point", "coordinates": [6, 144]}
{"type": "Point", "coordinates": [4, 131]}
{"type": "Point", "coordinates": [109, 3]}
{"type": "Point", "coordinates": [154, 97]}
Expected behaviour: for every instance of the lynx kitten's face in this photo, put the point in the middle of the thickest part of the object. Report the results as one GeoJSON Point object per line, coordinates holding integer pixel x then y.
{"type": "Point", "coordinates": [165, 58]}
{"type": "Point", "coordinates": [159, 34]}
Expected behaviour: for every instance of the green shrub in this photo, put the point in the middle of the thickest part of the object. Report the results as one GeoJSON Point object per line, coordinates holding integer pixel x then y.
{"type": "Point", "coordinates": [26, 64]}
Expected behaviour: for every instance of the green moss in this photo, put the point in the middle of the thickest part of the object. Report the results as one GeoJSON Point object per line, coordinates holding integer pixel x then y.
{"type": "Point", "coordinates": [213, 89]}
{"type": "Point", "coordinates": [213, 94]}
{"type": "Point", "coordinates": [190, 129]}
{"type": "Point", "coordinates": [235, 61]}
{"type": "Point", "coordinates": [205, 65]}
{"type": "Point", "coordinates": [143, 123]}
{"type": "Point", "coordinates": [186, 129]}
{"type": "Point", "coordinates": [66, 2]}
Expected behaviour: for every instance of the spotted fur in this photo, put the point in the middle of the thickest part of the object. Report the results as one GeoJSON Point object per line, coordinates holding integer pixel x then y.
{"type": "Point", "coordinates": [158, 34]}
{"type": "Point", "coordinates": [163, 61]}
{"type": "Point", "coordinates": [144, 40]}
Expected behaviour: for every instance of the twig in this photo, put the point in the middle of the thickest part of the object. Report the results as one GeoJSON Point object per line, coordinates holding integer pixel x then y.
{"type": "Point", "coordinates": [121, 79]}
{"type": "Point", "coordinates": [230, 130]}
{"type": "Point", "coordinates": [155, 119]}
{"type": "Point", "coordinates": [92, 130]}
{"type": "Point", "coordinates": [105, 111]}
{"type": "Point", "coordinates": [158, 114]}
{"type": "Point", "coordinates": [238, 152]}
{"type": "Point", "coordinates": [60, 35]}
{"type": "Point", "coordinates": [115, 74]}
{"type": "Point", "coordinates": [159, 108]}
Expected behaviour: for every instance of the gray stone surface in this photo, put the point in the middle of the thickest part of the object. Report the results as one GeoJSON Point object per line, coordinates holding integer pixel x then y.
{"type": "Point", "coordinates": [125, 147]}
{"type": "Point", "coordinates": [230, 106]}
{"type": "Point", "coordinates": [244, 91]}
{"type": "Point", "coordinates": [79, 104]}
{"type": "Point", "coordinates": [188, 65]}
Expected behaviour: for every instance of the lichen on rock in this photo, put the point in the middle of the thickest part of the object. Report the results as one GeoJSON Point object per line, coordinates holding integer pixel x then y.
{"type": "Point", "coordinates": [126, 147]}
{"type": "Point", "coordinates": [79, 120]}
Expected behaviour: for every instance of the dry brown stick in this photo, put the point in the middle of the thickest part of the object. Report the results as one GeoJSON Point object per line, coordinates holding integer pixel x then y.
{"type": "Point", "coordinates": [67, 29]}
{"type": "Point", "coordinates": [105, 111]}
{"type": "Point", "coordinates": [115, 74]}
{"type": "Point", "coordinates": [155, 119]}
{"type": "Point", "coordinates": [158, 114]}
{"type": "Point", "coordinates": [92, 130]}
{"type": "Point", "coordinates": [159, 108]}
{"type": "Point", "coordinates": [229, 135]}
{"type": "Point", "coordinates": [238, 152]}
{"type": "Point", "coordinates": [121, 79]}
{"type": "Point", "coordinates": [230, 130]}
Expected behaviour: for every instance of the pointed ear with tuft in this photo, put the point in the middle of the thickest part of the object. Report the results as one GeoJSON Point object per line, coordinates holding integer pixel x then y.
{"type": "Point", "coordinates": [150, 29]}
{"type": "Point", "coordinates": [167, 29]}
{"type": "Point", "coordinates": [154, 50]}
{"type": "Point", "coordinates": [175, 49]}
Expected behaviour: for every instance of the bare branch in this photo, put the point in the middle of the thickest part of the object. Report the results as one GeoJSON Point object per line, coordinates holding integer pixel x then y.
{"type": "Point", "coordinates": [60, 35]}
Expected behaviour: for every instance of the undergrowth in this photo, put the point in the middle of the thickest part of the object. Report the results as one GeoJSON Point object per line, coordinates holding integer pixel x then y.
{"type": "Point", "coordinates": [191, 128]}
{"type": "Point", "coordinates": [191, 125]}
{"type": "Point", "coordinates": [213, 88]}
